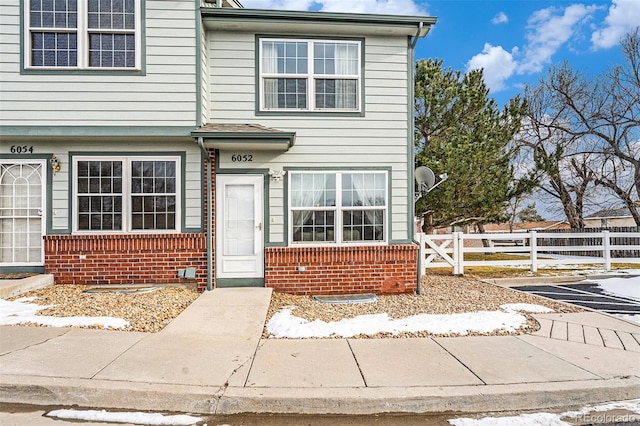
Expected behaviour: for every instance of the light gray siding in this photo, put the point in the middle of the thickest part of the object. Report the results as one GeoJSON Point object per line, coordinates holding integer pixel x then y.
{"type": "Point", "coordinates": [165, 94]}
{"type": "Point", "coordinates": [378, 139]}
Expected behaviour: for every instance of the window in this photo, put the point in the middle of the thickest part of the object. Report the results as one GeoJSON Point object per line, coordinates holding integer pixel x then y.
{"type": "Point", "coordinates": [338, 207]}
{"type": "Point", "coordinates": [83, 34]}
{"type": "Point", "coordinates": [311, 75]}
{"type": "Point", "coordinates": [132, 194]}
{"type": "Point", "coordinates": [100, 194]}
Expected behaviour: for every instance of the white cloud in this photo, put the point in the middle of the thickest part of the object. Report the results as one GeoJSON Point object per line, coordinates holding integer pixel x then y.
{"type": "Point", "coordinates": [548, 31]}
{"type": "Point", "coordinates": [500, 18]}
{"type": "Point", "coordinates": [383, 7]}
{"type": "Point", "coordinates": [497, 63]}
{"type": "Point", "coordinates": [624, 16]}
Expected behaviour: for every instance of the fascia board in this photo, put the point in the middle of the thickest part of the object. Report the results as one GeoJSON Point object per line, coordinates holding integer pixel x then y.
{"type": "Point", "coordinates": [258, 19]}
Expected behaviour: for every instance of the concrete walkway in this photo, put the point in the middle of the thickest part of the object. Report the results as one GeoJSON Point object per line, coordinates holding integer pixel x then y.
{"type": "Point", "coordinates": [212, 360]}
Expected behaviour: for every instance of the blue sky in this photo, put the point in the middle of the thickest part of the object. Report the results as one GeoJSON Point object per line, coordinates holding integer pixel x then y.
{"type": "Point", "coordinates": [514, 41]}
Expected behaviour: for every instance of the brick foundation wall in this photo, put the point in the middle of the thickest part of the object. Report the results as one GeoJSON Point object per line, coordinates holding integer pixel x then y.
{"type": "Point", "coordinates": [125, 259]}
{"type": "Point", "coordinates": [342, 270]}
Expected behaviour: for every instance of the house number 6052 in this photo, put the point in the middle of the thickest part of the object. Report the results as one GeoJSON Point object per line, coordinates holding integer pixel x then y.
{"type": "Point", "coordinates": [21, 149]}
{"type": "Point", "coordinates": [242, 158]}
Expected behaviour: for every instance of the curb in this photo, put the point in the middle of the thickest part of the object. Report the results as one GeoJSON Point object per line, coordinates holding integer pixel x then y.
{"type": "Point", "coordinates": [345, 401]}
{"type": "Point", "coordinates": [517, 281]}
{"type": "Point", "coordinates": [10, 288]}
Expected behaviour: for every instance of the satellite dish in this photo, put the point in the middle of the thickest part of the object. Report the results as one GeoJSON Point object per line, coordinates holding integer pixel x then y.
{"type": "Point", "coordinates": [425, 178]}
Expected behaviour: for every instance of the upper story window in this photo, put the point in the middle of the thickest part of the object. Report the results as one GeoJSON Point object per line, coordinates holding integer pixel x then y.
{"type": "Point", "coordinates": [310, 75]}
{"type": "Point", "coordinates": [82, 34]}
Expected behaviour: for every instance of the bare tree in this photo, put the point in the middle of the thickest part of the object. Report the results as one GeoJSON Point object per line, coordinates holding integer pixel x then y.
{"type": "Point", "coordinates": [554, 159]}
{"type": "Point", "coordinates": [591, 129]}
{"type": "Point", "coordinates": [619, 128]}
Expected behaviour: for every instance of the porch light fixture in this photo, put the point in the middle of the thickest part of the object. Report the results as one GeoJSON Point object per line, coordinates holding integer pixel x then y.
{"type": "Point", "coordinates": [55, 164]}
{"type": "Point", "coordinates": [277, 175]}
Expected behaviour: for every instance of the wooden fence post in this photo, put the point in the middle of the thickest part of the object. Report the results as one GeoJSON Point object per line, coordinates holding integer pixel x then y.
{"type": "Point", "coordinates": [458, 253]}
{"type": "Point", "coordinates": [533, 245]}
{"type": "Point", "coordinates": [606, 250]}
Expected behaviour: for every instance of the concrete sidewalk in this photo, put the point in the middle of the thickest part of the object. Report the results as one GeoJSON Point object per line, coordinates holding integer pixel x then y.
{"type": "Point", "coordinates": [211, 360]}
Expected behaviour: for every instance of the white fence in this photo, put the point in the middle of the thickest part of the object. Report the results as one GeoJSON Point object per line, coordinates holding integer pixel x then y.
{"type": "Point", "coordinates": [447, 250]}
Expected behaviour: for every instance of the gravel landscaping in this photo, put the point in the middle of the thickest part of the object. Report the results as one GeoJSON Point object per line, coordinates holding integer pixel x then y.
{"type": "Point", "coordinates": [147, 312]}
{"type": "Point", "coordinates": [152, 311]}
{"type": "Point", "coordinates": [439, 295]}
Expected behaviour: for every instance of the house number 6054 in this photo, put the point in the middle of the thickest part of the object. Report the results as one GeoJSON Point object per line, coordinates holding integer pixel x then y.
{"type": "Point", "coordinates": [242, 158]}
{"type": "Point", "coordinates": [21, 149]}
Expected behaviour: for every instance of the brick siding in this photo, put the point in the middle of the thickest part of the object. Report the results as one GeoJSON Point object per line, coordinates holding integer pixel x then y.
{"type": "Point", "coordinates": [341, 270]}
{"type": "Point", "coordinates": [125, 259]}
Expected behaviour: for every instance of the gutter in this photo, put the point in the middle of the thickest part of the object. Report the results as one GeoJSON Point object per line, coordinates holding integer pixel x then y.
{"type": "Point", "coordinates": [209, 223]}
{"type": "Point", "coordinates": [291, 16]}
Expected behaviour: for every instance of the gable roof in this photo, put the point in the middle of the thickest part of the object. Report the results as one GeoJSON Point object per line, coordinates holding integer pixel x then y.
{"type": "Point", "coordinates": [609, 213]}
{"type": "Point", "coordinates": [526, 226]}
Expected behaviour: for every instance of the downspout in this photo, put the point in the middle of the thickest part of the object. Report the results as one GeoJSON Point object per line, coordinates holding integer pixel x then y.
{"type": "Point", "coordinates": [218, 3]}
{"type": "Point", "coordinates": [416, 37]}
{"type": "Point", "coordinates": [205, 153]}
{"type": "Point", "coordinates": [209, 215]}
{"type": "Point", "coordinates": [411, 102]}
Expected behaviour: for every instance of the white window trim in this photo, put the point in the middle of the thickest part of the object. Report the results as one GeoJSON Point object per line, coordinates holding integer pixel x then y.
{"type": "Point", "coordinates": [310, 76]}
{"type": "Point", "coordinates": [338, 209]}
{"type": "Point", "coordinates": [82, 32]}
{"type": "Point", "coordinates": [126, 194]}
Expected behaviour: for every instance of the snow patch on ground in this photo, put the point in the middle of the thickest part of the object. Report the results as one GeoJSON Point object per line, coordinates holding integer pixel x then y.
{"type": "Point", "coordinates": [626, 285]}
{"type": "Point", "coordinates": [21, 311]}
{"type": "Point", "coordinates": [124, 417]}
{"type": "Point", "coordinates": [286, 325]}
{"type": "Point", "coordinates": [537, 419]}
{"type": "Point", "coordinates": [549, 419]}
{"type": "Point", "coordinates": [620, 286]}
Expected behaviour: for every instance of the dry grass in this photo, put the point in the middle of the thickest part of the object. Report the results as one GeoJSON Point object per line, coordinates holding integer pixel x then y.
{"type": "Point", "coordinates": [484, 272]}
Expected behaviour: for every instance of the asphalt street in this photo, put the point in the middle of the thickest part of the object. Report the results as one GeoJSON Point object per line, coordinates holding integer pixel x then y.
{"type": "Point", "coordinates": [588, 295]}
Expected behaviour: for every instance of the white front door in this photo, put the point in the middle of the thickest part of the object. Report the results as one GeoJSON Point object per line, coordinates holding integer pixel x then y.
{"type": "Point", "coordinates": [22, 207]}
{"type": "Point", "coordinates": [239, 227]}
